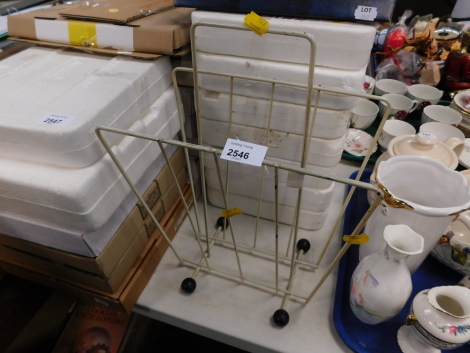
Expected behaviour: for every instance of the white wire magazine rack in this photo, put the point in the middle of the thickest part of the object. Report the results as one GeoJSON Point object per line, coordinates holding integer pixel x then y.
{"type": "Point", "coordinates": [271, 263]}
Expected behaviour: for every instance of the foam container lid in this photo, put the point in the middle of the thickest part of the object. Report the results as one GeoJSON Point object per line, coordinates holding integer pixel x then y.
{"type": "Point", "coordinates": [341, 45]}
{"type": "Point", "coordinates": [309, 220]}
{"type": "Point", "coordinates": [329, 124]}
{"type": "Point", "coordinates": [282, 145]}
{"type": "Point", "coordinates": [83, 199]}
{"type": "Point", "coordinates": [343, 80]}
{"type": "Point", "coordinates": [53, 99]}
{"type": "Point", "coordinates": [268, 172]}
{"type": "Point", "coordinates": [316, 200]}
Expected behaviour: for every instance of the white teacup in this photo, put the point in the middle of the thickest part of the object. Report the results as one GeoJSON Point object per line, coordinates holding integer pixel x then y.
{"type": "Point", "coordinates": [424, 94]}
{"type": "Point", "coordinates": [363, 114]}
{"type": "Point", "coordinates": [440, 114]}
{"type": "Point", "coordinates": [401, 105]}
{"type": "Point", "coordinates": [393, 128]}
{"type": "Point", "coordinates": [388, 85]}
{"type": "Point", "coordinates": [447, 133]}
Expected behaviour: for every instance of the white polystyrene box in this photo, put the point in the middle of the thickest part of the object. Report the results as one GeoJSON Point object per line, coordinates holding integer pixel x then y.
{"type": "Point", "coordinates": [328, 124]}
{"type": "Point", "coordinates": [52, 100]}
{"type": "Point", "coordinates": [284, 145]}
{"type": "Point", "coordinates": [89, 244]}
{"type": "Point", "coordinates": [284, 176]}
{"type": "Point", "coordinates": [340, 45]}
{"type": "Point", "coordinates": [307, 219]}
{"type": "Point", "coordinates": [347, 81]}
{"type": "Point", "coordinates": [83, 199]}
{"type": "Point", "coordinates": [317, 200]}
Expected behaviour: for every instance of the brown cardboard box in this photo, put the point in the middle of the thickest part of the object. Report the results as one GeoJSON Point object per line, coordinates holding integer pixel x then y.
{"type": "Point", "coordinates": [117, 11]}
{"type": "Point", "coordinates": [148, 37]}
{"type": "Point", "coordinates": [125, 297]}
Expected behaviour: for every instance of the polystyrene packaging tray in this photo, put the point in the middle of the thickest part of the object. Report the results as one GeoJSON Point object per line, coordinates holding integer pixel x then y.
{"type": "Point", "coordinates": [53, 99]}
{"type": "Point", "coordinates": [248, 111]}
{"type": "Point", "coordinates": [316, 200]}
{"type": "Point", "coordinates": [343, 80]}
{"type": "Point", "coordinates": [284, 145]}
{"type": "Point", "coordinates": [339, 45]}
{"type": "Point", "coordinates": [83, 199]}
{"type": "Point", "coordinates": [309, 220]}
{"type": "Point", "coordinates": [284, 176]}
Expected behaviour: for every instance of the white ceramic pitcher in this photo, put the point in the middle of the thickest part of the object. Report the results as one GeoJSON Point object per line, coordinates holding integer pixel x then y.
{"type": "Point", "coordinates": [421, 193]}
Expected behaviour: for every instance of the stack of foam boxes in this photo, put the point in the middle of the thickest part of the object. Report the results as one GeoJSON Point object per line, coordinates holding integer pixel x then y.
{"type": "Point", "coordinates": [342, 55]}
{"type": "Point", "coordinates": [67, 215]}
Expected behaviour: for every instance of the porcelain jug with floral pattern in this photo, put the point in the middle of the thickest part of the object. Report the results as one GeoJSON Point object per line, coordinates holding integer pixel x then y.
{"type": "Point", "coordinates": [381, 283]}
{"type": "Point", "coordinates": [439, 319]}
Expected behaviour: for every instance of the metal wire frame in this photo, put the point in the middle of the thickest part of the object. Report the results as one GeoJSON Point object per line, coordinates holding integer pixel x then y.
{"type": "Point", "coordinates": [202, 236]}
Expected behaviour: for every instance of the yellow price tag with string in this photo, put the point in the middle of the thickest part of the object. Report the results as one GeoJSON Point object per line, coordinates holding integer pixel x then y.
{"type": "Point", "coordinates": [231, 213]}
{"type": "Point", "coordinates": [256, 23]}
{"type": "Point", "coordinates": [356, 239]}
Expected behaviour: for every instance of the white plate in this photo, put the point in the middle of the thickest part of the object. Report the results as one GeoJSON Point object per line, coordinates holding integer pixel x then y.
{"type": "Point", "coordinates": [464, 158]}
{"type": "Point", "coordinates": [358, 143]}
{"type": "Point", "coordinates": [462, 100]}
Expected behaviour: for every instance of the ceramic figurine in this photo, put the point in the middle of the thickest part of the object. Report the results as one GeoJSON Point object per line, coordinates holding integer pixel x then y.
{"type": "Point", "coordinates": [381, 283]}
{"type": "Point", "coordinates": [457, 67]}
{"type": "Point", "coordinates": [439, 319]}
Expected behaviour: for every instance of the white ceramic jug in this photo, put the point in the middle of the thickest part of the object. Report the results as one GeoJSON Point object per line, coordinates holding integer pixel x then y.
{"type": "Point", "coordinates": [421, 193]}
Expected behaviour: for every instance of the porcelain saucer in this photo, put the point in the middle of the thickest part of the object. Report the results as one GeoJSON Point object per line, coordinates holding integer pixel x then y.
{"type": "Point", "coordinates": [464, 158]}
{"type": "Point", "coordinates": [358, 143]}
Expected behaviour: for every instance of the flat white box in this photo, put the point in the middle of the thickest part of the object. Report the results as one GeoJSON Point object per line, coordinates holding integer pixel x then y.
{"type": "Point", "coordinates": [340, 45]}
{"type": "Point", "coordinates": [53, 99]}
{"type": "Point", "coordinates": [328, 124]}
{"type": "Point", "coordinates": [82, 200]}
{"type": "Point", "coordinates": [283, 145]}
{"type": "Point", "coordinates": [351, 81]}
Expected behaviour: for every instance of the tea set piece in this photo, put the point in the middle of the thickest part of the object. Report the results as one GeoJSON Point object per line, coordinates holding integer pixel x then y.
{"type": "Point", "coordinates": [453, 250]}
{"type": "Point", "coordinates": [464, 157]}
{"type": "Point", "coordinates": [369, 85]}
{"type": "Point", "coordinates": [358, 143]}
{"type": "Point", "coordinates": [425, 144]}
{"type": "Point", "coordinates": [416, 193]}
{"type": "Point", "coordinates": [439, 320]}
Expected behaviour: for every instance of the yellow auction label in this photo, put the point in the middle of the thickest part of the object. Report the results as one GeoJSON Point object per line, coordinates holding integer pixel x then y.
{"type": "Point", "coordinates": [231, 213]}
{"type": "Point", "coordinates": [256, 23]}
{"type": "Point", "coordinates": [113, 10]}
{"type": "Point", "coordinates": [356, 239]}
{"type": "Point", "coordinates": [82, 34]}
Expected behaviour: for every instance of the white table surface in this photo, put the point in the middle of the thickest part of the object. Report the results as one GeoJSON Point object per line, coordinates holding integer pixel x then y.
{"type": "Point", "coordinates": [240, 314]}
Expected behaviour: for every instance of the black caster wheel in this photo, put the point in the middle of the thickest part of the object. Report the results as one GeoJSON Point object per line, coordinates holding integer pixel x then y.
{"type": "Point", "coordinates": [303, 244]}
{"type": "Point", "coordinates": [188, 285]}
{"type": "Point", "coordinates": [222, 222]}
{"type": "Point", "coordinates": [280, 318]}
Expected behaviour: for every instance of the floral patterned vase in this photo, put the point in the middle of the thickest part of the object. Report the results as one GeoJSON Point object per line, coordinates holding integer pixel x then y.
{"type": "Point", "coordinates": [381, 283]}
{"type": "Point", "coordinates": [439, 319]}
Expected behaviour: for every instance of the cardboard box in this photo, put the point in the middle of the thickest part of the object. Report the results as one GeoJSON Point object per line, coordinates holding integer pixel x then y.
{"type": "Point", "coordinates": [117, 11]}
{"type": "Point", "coordinates": [125, 297]}
{"type": "Point", "coordinates": [146, 38]}
{"type": "Point", "coordinates": [371, 10]}
{"type": "Point", "coordinates": [165, 203]}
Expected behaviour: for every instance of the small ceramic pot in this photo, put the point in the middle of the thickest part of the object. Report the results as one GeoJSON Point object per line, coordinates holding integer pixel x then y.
{"type": "Point", "coordinates": [439, 319]}
{"type": "Point", "coordinates": [425, 144]}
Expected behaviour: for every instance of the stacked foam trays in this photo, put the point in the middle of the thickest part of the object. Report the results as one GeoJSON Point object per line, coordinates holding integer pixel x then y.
{"type": "Point", "coordinates": [59, 187]}
{"type": "Point", "coordinates": [342, 54]}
